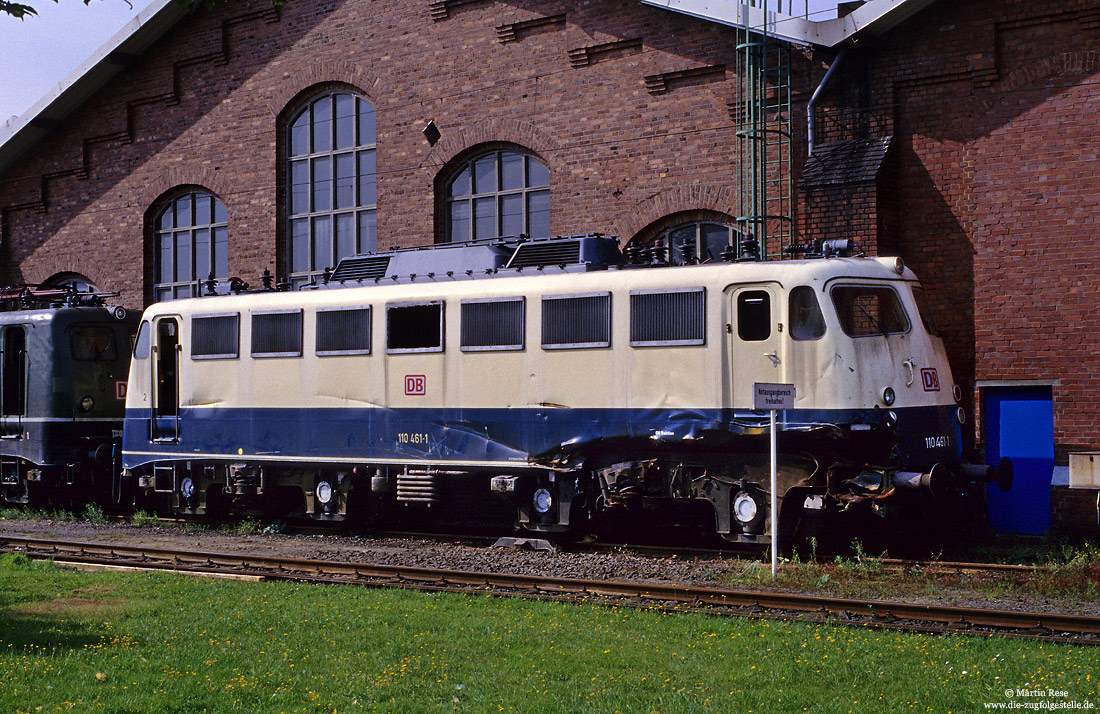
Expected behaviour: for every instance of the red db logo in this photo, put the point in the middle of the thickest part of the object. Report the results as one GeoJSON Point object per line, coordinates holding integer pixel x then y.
{"type": "Point", "coordinates": [120, 390]}
{"type": "Point", "coordinates": [415, 385]}
{"type": "Point", "coordinates": [931, 379]}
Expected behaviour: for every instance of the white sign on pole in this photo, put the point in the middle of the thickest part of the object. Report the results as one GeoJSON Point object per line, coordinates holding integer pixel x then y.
{"type": "Point", "coordinates": [773, 397]}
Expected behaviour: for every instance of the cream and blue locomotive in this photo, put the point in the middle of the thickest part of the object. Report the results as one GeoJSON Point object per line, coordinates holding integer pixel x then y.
{"type": "Point", "coordinates": [64, 362]}
{"type": "Point", "coordinates": [553, 381]}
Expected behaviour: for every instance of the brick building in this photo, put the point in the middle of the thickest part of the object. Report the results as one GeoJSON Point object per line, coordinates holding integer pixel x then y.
{"type": "Point", "coordinates": [248, 138]}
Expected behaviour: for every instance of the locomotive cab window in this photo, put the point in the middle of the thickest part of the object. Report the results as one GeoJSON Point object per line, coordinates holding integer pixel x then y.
{"type": "Point", "coordinates": [492, 324]}
{"type": "Point", "coordinates": [754, 315]}
{"type": "Point", "coordinates": [277, 334]}
{"type": "Point", "coordinates": [668, 318]}
{"type": "Point", "coordinates": [414, 328]}
{"type": "Point", "coordinates": [576, 321]}
{"type": "Point", "coordinates": [925, 311]}
{"type": "Point", "coordinates": [215, 336]}
{"type": "Point", "coordinates": [343, 331]}
{"type": "Point", "coordinates": [805, 318]}
{"type": "Point", "coordinates": [141, 342]}
{"type": "Point", "coordinates": [93, 343]}
{"type": "Point", "coordinates": [867, 310]}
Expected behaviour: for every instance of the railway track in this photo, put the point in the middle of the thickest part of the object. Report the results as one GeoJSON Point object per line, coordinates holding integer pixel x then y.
{"type": "Point", "coordinates": [1057, 627]}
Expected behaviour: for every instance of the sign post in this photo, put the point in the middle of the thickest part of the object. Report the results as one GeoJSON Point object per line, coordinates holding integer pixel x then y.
{"type": "Point", "coordinates": [773, 397]}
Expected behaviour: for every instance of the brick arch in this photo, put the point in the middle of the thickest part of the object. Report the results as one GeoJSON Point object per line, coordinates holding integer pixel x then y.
{"type": "Point", "coordinates": [329, 72]}
{"type": "Point", "coordinates": [47, 266]}
{"type": "Point", "coordinates": [179, 177]}
{"type": "Point", "coordinates": [455, 142]}
{"type": "Point", "coordinates": [695, 200]}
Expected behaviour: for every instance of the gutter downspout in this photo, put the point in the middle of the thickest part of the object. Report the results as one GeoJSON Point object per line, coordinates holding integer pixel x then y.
{"type": "Point", "coordinates": [810, 122]}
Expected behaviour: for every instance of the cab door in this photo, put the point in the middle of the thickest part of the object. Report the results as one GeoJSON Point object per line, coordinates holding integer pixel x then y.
{"type": "Point", "coordinates": [757, 343]}
{"type": "Point", "coordinates": [13, 381]}
{"type": "Point", "coordinates": [164, 423]}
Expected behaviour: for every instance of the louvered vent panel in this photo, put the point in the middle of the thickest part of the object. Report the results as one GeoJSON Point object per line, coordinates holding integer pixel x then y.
{"type": "Point", "coordinates": [366, 267]}
{"type": "Point", "coordinates": [552, 253]}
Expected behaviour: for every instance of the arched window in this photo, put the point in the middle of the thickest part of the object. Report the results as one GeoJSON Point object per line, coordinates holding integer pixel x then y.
{"type": "Point", "coordinates": [191, 244]}
{"type": "Point", "coordinates": [76, 281]}
{"type": "Point", "coordinates": [332, 184]}
{"type": "Point", "coordinates": [702, 240]}
{"type": "Point", "coordinates": [496, 194]}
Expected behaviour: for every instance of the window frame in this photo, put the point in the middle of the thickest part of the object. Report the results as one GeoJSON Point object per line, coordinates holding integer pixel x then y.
{"type": "Point", "coordinates": [522, 301]}
{"type": "Point", "coordinates": [253, 314]}
{"type": "Point", "coordinates": [214, 355]}
{"type": "Point", "coordinates": [442, 305]}
{"type": "Point", "coordinates": [369, 309]}
{"type": "Point", "coordinates": [472, 197]}
{"type": "Point", "coordinates": [898, 302]}
{"type": "Point", "coordinates": [701, 340]}
{"type": "Point", "coordinates": [363, 187]}
{"type": "Point", "coordinates": [575, 345]}
{"type": "Point", "coordinates": [218, 223]}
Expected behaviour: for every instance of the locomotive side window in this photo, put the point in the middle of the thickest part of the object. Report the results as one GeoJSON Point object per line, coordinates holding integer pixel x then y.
{"type": "Point", "coordinates": [92, 343]}
{"type": "Point", "coordinates": [343, 331]}
{"type": "Point", "coordinates": [141, 342]}
{"type": "Point", "coordinates": [866, 310]}
{"type": "Point", "coordinates": [576, 321]}
{"type": "Point", "coordinates": [672, 317]}
{"type": "Point", "coordinates": [925, 311]}
{"type": "Point", "coordinates": [805, 318]}
{"type": "Point", "coordinates": [492, 324]}
{"type": "Point", "coordinates": [754, 315]}
{"type": "Point", "coordinates": [215, 336]}
{"type": "Point", "coordinates": [414, 328]}
{"type": "Point", "coordinates": [277, 334]}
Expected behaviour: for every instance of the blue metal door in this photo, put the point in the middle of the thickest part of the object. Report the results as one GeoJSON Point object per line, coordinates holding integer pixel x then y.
{"type": "Point", "coordinates": [1018, 423]}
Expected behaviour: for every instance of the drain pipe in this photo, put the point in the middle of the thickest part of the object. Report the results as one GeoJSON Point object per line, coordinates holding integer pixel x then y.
{"type": "Point", "coordinates": [810, 123]}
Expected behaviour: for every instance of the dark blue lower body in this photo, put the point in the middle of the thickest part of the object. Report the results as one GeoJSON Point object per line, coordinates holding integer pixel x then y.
{"type": "Point", "coordinates": [923, 436]}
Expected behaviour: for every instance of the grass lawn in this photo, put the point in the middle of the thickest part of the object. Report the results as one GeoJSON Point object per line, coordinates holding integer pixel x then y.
{"type": "Point", "coordinates": [137, 642]}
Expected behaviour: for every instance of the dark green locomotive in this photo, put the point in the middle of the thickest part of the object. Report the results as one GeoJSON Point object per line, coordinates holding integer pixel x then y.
{"type": "Point", "coordinates": [64, 360]}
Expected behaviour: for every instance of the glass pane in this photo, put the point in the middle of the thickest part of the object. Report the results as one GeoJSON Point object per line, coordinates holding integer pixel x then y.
{"type": "Point", "coordinates": [221, 253]}
{"type": "Point", "coordinates": [511, 214]}
{"type": "Point", "coordinates": [165, 221]}
{"type": "Point", "coordinates": [461, 184]}
{"type": "Point", "coordinates": [202, 209]}
{"type": "Point", "coordinates": [754, 323]}
{"type": "Point", "coordinates": [345, 235]}
{"type": "Point", "coordinates": [183, 256]}
{"type": "Point", "coordinates": [368, 232]}
{"type": "Point", "coordinates": [299, 135]}
{"type": "Point", "coordinates": [460, 221]}
{"type": "Point", "coordinates": [368, 179]}
{"type": "Point", "coordinates": [538, 214]}
{"type": "Point", "coordinates": [345, 121]}
{"type": "Point", "coordinates": [806, 320]}
{"type": "Point", "coordinates": [322, 243]}
{"type": "Point", "coordinates": [345, 180]}
{"type": "Point", "coordinates": [202, 253]}
{"type": "Point", "coordinates": [511, 171]}
{"type": "Point", "coordinates": [681, 244]}
{"type": "Point", "coordinates": [165, 274]}
{"type": "Point", "coordinates": [181, 291]}
{"type": "Point", "coordinates": [714, 240]}
{"type": "Point", "coordinates": [299, 187]}
{"type": "Point", "coordinates": [366, 123]}
{"type": "Point", "coordinates": [485, 218]}
{"type": "Point", "coordinates": [322, 125]}
{"type": "Point", "coordinates": [322, 184]}
{"type": "Point", "coordinates": [183, 211]}
{"type": "Point", "coordinates": [299, 245]}
{"type": "Point", "coordinates": [537, 175]}
{"type": "Point", "coordinates": [161, 294]}
{"type": "Point", "coordinates": [220, 214]}
{"type": "Point", "coordinates": [485, 174]}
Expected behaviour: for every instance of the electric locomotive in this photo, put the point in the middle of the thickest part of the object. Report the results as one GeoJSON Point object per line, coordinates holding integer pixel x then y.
{"type": "Point", "coordinates": [64, 363]}
{"type": "Point", "coordinates": [559, 384]}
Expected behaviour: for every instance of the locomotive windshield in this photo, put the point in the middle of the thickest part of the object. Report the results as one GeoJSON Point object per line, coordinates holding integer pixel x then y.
{"type": "Point", "coordinates": [866, 310]}
{"type": "Point", "coordinates": [924, 311]}
{"type": "Point", "coordinates": [93, 343]}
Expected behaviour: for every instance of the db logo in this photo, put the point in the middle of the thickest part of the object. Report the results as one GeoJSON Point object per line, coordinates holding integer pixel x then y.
{"type": "Point", "coordinates": [120, 390]}
{"type": "Point", "coordinates": [415, 385]}
{"type": "Point", "coordinates": [931, 379]}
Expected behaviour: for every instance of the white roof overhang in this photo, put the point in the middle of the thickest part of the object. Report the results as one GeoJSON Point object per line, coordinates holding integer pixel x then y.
{"type": "Point", "coordinates": [874, 17]}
